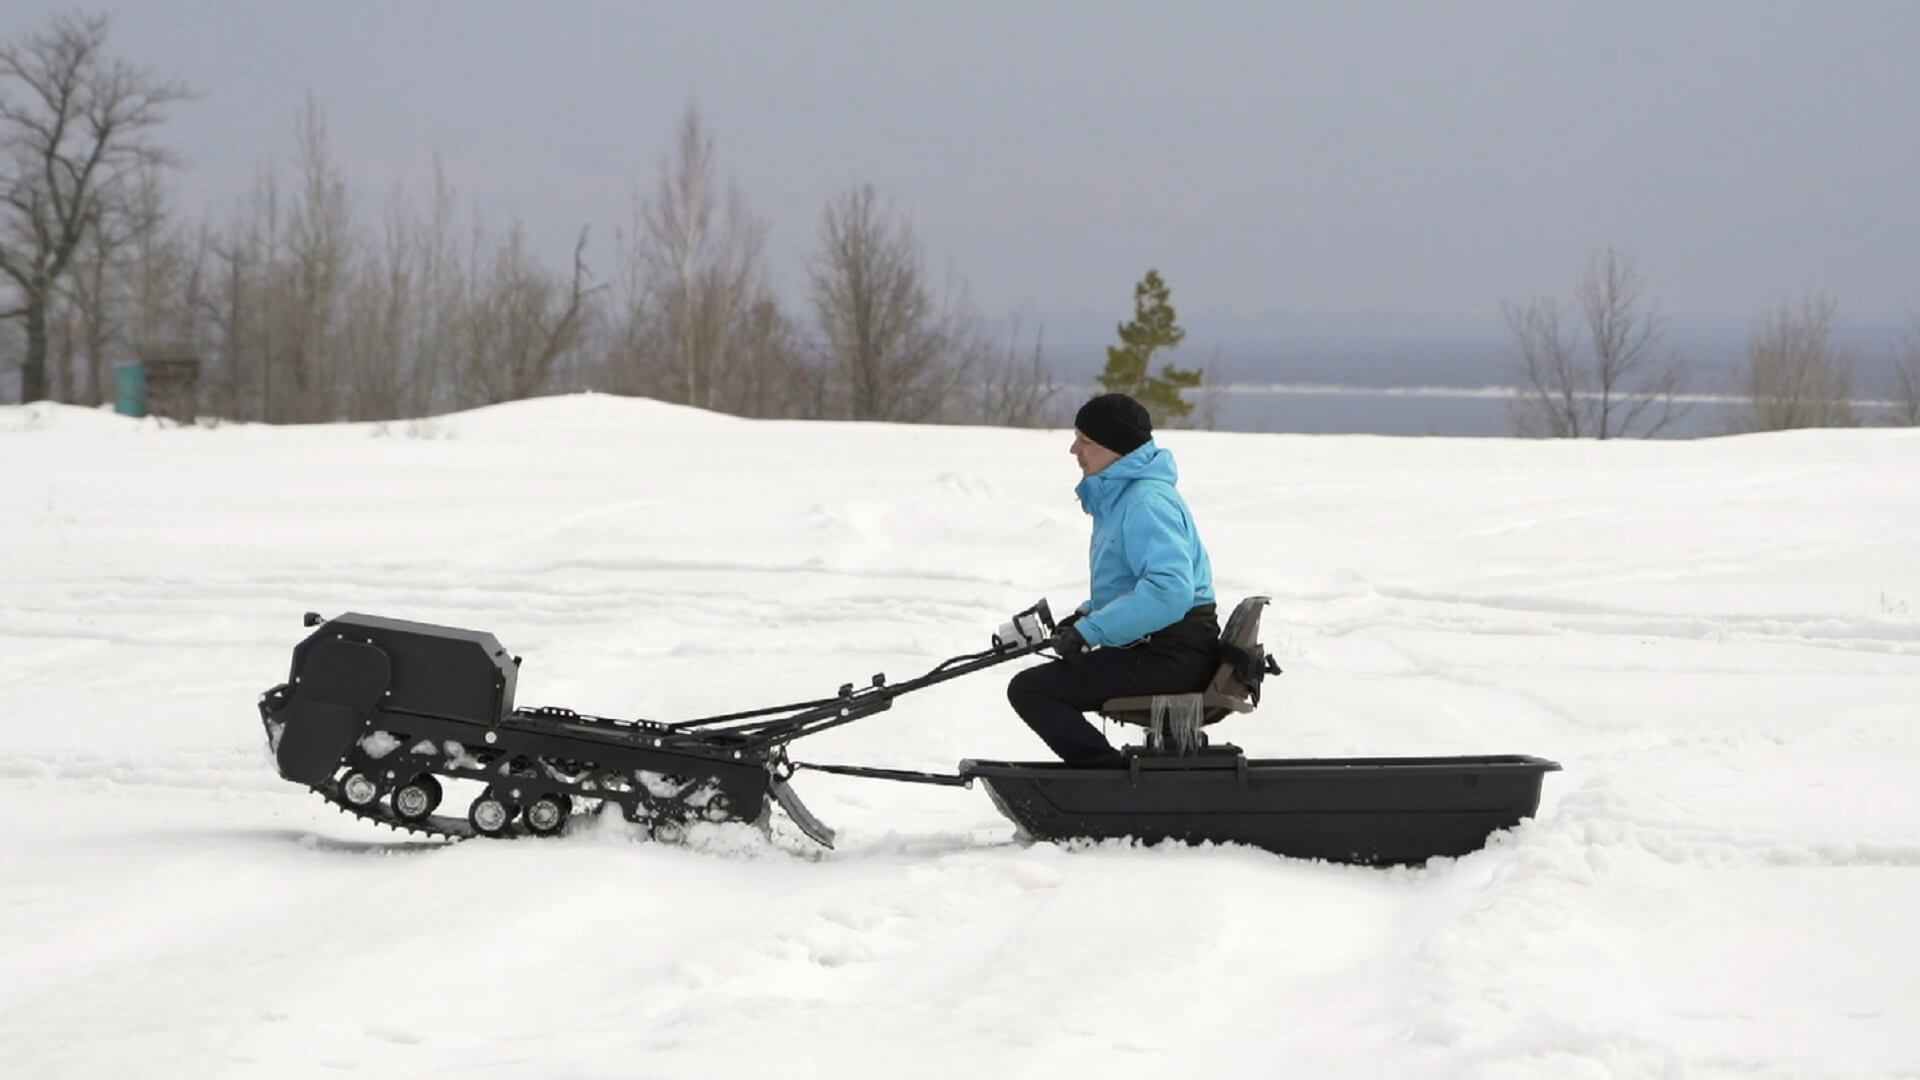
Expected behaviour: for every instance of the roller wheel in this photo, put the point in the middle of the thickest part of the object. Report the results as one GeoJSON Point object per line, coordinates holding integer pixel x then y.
{"type": "Point", "coordinates": [491, 815]}
{"type": "Point", "coordinates": [548, 814]}
{"type": "Point", "coordinates": [360, 788]}
{"type": "Point", "coordinates": [417, 798]}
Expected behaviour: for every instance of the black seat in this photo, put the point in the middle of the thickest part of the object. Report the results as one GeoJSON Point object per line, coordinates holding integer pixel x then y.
{"type": "Point", "coordinates": [1175, 720]}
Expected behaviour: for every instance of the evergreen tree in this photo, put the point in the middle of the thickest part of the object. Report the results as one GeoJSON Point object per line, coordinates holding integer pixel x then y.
{"type": "Point", "coordinates": [1129, 364]}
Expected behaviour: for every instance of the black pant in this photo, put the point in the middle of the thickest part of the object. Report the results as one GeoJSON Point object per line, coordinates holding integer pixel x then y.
{"type": "Point", "coordinates": [1051, 697]}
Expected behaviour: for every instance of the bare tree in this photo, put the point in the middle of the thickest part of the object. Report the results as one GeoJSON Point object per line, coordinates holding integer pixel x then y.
{"type": "Point", "coordinates": [220, 309]}
{"type": "Point", "coordinates": [73, 126]}
{"type": "Point", "coordinates": [773, 379]}
{"type": "Point", "coordinates": [1014, 385]}
{"type": "Point", "coordinates": [435, 340]}
{"type": "Point", "coordinates": [164, 268]}
{"type": "Point", "coordinates": [239, 306]}
{"type": "Point", "coordinates": [630, 360]}
{"type": "Point", "coordinates": [90, 316]}
{"type": "Point", "coordinates": [160, 264]}
{"type": "Point", "coordinates": [124, 289]}
{"type": "Point", "coordinates": [320, 253]}
{"type": "Point", "coordinates": [407, 310]}
{"type": "Point", "coordinates": [379, 313]}
{"type": "Point", "coordinates": [890, 347]}
{"type": "Point", "coordinates": [1619, 385]}
{"type": "Point", "coordinates": [1906, 375]}
{"type": "Point", "coordinates": [256, 299]}
{"type": "Point", "coordinates": [703, 267]}
{"type": "Point", "coordinates": [1795, 376]}
{"type": "Point", "coordinates": [11, 346]}
{"type": "Point", "coordinates": [523, 322]}
{"type": "Point", "coordinates": [67, 333]}
{"type": "Point", "coordinates": [1552, 402]}
{"type": "Point", "coordinates": [697, 322]}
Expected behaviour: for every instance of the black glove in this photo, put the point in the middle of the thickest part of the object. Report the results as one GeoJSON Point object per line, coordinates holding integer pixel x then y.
{"type": "Point", "coordinates": [1068, 642]}
{"type": "Point", "coordinates": [1075, 617]}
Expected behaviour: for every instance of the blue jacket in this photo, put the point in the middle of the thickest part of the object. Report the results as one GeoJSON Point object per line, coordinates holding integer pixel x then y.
{"type": "Point", "coordinates": [1147, 563]}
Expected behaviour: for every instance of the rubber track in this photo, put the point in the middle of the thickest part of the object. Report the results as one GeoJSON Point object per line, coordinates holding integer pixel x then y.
{"type": "Point", "coordinates": [380, 812]}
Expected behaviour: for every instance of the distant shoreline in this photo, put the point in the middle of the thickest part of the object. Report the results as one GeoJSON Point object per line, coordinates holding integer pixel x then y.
{"type": "Point", "coordinates": [1333, 409]}
{"type": "Point", "coordinates": [1497, 392]}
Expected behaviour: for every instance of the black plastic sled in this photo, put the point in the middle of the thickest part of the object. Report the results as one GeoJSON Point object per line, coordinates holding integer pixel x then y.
{"type": "Point", "coordinates": [1376, 811]}
{"type": "Point", "coordinates": [381, 716]}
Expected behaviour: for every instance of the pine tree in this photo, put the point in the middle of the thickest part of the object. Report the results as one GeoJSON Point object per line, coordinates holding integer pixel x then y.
{"type": "Point", "coordinates": [1129, 363]}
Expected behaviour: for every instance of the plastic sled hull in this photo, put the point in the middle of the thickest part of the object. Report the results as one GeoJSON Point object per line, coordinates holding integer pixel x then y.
{"type": "Point", "coordinates": [1370, 811]}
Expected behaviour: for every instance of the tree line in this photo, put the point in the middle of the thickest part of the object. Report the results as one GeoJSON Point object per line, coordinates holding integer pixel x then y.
{"type": "Point", "coordinates": [300, 309]}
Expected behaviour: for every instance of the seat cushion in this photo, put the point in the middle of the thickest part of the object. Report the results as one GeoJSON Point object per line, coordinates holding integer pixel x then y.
{"type": "Point", "coordinates": [1143, 703]}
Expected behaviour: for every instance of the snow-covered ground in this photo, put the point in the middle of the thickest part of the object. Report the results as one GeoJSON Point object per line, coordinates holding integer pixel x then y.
{"type": "Point", "coordinates": [1718, 640]}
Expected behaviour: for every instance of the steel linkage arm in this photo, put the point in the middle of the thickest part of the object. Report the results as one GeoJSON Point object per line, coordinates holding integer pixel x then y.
{"type": "Point", "coordinates": [761, 729]}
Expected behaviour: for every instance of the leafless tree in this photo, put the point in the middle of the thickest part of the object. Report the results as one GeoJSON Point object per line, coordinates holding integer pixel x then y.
{"type": "Point", "coordinates": [124, 289]}
{"type": "Point", "coordinates": [11, 346]}
{"type": "Point", "coordinates": [697, 321]}
{"type": "Point", "coordinates": [248, 313]}
{"type": "Point", "coordinates": [253, 298]}
{"type": "Point", "coordinates": [435, 341]}
{"type": "Point", "coordinates": [320, 254]}
{"type": "Point", "coordinates": [301, 315]}
{"type": "Point", "coordinates": [379, 316]}
{"type": "Point", "coordinates": [630, 339]}
{"type": "Point", "coordinates": [312, 316]}
{"type": "Point", "coordinates": [1552, 401]}
{"type": "Point", "coordinates": [240, 310]}
{"type": "Point", "coordinates": [407, 307]}
{"type": "Point", "coordinates": [163, 270]}
{"type": "Point", "coordinates": [523, 322]}
{"type": "Point", "coordinates": [86, 316]}
{"type": "Point", "coordinates": [1013, 385]}
{"type": "Point", "coordinates": [1603, 377]}
{"type": "Point", "coordinates": [161, 265]}
{"type": "Point", "coordinates": [67, 332]}
{"type": "Point", "coordinates": [73, 129]}
{"type": "Point", "coordinates": [703, 267]}
{"type": "Point", "coordinates": [221, 312]}
{"type": "Point", "coordinates": [1795, 376]}
{"type": "Point", "coordinates": [774, 381]}
{"type": "Point", "coordinates": [891, 349]}
{"type": "Point", "coordinates": [1906, 375]}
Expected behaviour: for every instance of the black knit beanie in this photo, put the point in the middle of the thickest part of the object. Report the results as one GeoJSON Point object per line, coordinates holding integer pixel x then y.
{"type": "Point", "coordinates": [1116, 422]}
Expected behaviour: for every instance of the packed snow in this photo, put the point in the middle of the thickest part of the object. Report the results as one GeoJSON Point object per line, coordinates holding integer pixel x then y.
{"type": "Point", "coordinates": [1718, 640]}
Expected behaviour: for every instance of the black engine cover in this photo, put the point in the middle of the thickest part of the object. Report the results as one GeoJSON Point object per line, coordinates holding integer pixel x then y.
{"type": "Point", "coordinates": [356, 666]}
{"type": "Point", "coordinates": [441, 671]}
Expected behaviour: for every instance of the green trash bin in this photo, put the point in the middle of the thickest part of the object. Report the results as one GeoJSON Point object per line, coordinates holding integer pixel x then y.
{"type": "Point", "coordinates": [130, 389]}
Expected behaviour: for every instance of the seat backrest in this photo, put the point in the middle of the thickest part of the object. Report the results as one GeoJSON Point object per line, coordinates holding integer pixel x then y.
{"type": "Point", "coordinates": [1241, 655]}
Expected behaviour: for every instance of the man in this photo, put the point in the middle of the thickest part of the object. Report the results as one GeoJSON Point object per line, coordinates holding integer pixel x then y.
{"type": "Point", "coordinates": [1149, 625]}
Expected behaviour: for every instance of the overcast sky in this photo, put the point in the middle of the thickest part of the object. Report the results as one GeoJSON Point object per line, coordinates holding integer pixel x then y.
{"type": "Point", "coordinates": [1345, 156]}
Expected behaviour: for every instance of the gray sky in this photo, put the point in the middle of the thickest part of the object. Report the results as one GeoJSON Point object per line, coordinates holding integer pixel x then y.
{"type": "Point", "coordinates": [1346, 156]}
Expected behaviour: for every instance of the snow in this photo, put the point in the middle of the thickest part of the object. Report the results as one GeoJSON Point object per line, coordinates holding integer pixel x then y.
{"type": "Point", "coordinates": [1719, 640]}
